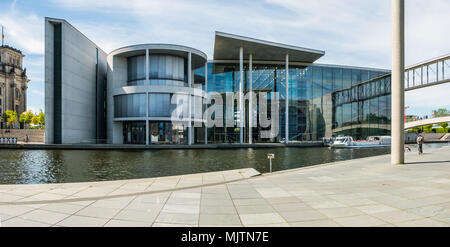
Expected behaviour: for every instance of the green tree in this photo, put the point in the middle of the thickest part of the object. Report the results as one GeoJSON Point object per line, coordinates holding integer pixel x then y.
{"type": "Point", "coordinates": [22, 118]}
{"type": "Point", "coordinates": [427, 128]}
{"type": "Point", "coordinates": [441, 112]}
{"type": "Point", "coordinates": [11, 117]}
{"type": "Point", "coordinates": [444, 126]}
{"type": "Point", "coordinates": [41, 117]}
{"type": "Point", "coordinates": [26, 117]}
{"type": "Point", "coordinates": [35, 120]}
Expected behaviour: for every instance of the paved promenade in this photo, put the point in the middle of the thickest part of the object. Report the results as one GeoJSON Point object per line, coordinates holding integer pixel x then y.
{"type": "Point", "coordinates": [363, 192]}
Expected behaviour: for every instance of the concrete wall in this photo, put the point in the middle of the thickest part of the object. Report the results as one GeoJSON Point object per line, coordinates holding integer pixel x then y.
{"type": "Point", "coordinates": [34, 135]}
{"type": "Point", "coordinates": [429, 137]}
{"type": "Point", "coordinates": [117, 78]}
{"type": "Point", "coordinates": [49, 113]}
{"type": "Point", "coordinates": [79, 84]}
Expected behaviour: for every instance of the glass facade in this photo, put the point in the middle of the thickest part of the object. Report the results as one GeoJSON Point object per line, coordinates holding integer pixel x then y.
{"type": "Point", "coordinates": [367, 108]}
{"type": "Point", "coordinates": [165, 132]}
{"type": "Point", "coordinates": [134, 132]}
{"type": "Point", "coordinates": [129, 105]}
{"type": "Point", "coordinates": [136, 70]}
{"type": "Point", "coordinates": [164, 70]}
{"type": "Point", "coordinates": [324, 101]}
{"type": "Point", "coordinates": [314, 112]}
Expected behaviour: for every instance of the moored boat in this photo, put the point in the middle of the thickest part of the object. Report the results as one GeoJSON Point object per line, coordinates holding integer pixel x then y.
{"type": "Point", "coordinates": [370, 142]}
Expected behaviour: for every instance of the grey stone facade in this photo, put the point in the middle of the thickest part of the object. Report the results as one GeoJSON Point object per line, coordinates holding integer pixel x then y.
{"type": "Point", "coordinates": [75, 70]}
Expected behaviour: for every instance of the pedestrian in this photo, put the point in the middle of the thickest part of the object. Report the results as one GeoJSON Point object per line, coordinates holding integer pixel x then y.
{"type": "Point", "coordinates": [420, 141]}
{"type": "Point", "coordinates": [26, 138]}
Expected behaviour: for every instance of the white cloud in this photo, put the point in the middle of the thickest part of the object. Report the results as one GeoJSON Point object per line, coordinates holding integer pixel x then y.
{"type": "Point", "coordinates": [37, 92]}
{"type": "Point", "coordinates": [23, 30]}
{"type": "Point", "coordinates": [352, 32]}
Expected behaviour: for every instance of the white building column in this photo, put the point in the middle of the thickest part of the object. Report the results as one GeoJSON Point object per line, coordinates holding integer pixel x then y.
{"type": "Point", "coordinates": [250, 100]}
{"type": "Point", "coordinates": [241, 98]}
{"type": "Point", "coordinates": [398, 82]}
{"type": "Point", "coordinates": [147, 83]}
{"type": "Point", "coordinates": [206, 90]}
{"type": "Point", "coordinates": [287, 101]}
{"type": "Point", "coordinates": [189, 74]}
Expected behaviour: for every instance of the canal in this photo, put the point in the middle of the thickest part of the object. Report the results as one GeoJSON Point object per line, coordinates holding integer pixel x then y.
{"type": "Point", "coordinates": [62, 166]}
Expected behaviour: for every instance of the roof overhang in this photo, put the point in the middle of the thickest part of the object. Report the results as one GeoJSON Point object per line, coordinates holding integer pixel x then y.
{"type": "Point", "coordinates": [226, 47]}
{"type": "Point", "coordinates": [198, 57]}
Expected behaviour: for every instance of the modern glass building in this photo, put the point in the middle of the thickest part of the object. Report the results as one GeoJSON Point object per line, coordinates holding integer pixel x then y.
{"type": "Point", "coordinates": [323, 100]}
{"type": "Point", "coordinates": [159, 93]}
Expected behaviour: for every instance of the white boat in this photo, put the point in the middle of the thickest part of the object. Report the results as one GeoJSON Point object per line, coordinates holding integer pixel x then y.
{"type": "Point", "coordinates": [370, 142]}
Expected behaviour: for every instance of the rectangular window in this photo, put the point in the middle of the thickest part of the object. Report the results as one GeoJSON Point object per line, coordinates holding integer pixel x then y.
{"type": "Point", "coordinates": [57, 87]}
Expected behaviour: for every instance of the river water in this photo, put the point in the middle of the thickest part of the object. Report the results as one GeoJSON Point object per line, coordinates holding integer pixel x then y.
{"type": "Point", "coordinates": [62, 166]}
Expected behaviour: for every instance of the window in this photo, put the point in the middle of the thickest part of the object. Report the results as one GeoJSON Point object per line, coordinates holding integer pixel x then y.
{"type": "Point", "coordinates": [166, 70]}
{"type": "Point", "coordinates": [132, 105]}
{"type": "Point", "coordinates": [159, 105]}
{"type": "Point", "coordinates": [136, 70]}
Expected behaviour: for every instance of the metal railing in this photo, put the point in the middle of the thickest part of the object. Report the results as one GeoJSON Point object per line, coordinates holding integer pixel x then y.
{"type": "Point", "coordinates": [429, 73]}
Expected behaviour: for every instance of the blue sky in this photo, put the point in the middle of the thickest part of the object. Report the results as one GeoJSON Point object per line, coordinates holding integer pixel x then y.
{"type": "Point", "coordinates": [352, 32]}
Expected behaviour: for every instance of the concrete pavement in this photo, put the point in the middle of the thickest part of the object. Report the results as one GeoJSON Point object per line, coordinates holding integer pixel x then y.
{"type": "Point", "coordinates": [363, 192]}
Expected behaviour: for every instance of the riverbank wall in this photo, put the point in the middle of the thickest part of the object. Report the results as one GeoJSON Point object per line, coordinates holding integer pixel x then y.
{"type": "Point", "coordinates": [34, 135]}
{"type": "Point", "coordinates": [154, 147]}
{"type": "Point", "coordinates": [410, 138]}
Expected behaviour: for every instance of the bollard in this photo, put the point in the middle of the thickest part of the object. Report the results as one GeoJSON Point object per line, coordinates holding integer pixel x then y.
{"type": "Point", "coordinates": [270, 157]}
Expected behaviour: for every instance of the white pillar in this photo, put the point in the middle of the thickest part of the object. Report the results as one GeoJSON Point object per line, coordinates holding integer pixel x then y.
{"type": "Point", "coordinates": [241, 103]}
{"type": "Point", "coordinates": [398, 85]}
{"type": "Point", "coordinates": [206, 90]}
{"type": "Point", "coordinates": [287, 101]}
{"type": "Point", "coordinates": [147, 83]}
{"type": "Point", "coordinates": [189, 98]}
{"type": "Point", "coordinates": [250, 100]}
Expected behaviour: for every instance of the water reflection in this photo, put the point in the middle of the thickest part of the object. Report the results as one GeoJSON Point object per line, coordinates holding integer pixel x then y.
{"type": "Point", "coordinates": [60, 166]}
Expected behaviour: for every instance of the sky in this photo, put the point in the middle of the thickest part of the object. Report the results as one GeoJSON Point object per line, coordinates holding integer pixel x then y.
{"type": "Point", "coordinates": [351, 32]}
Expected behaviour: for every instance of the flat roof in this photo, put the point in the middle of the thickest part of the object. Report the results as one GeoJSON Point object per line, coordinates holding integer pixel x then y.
{"type": "Point", "coordinates": [198, 57]}
{"type": "Point", "coordinates": [226, 47]}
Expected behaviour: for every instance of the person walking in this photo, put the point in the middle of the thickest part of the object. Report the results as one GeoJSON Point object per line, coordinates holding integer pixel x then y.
{"type": "Point", "coordinates": [420, 140]}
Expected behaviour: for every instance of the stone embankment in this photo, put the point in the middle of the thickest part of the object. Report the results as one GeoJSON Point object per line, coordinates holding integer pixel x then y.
{"type": "Point", "coordinates": [34, 135]}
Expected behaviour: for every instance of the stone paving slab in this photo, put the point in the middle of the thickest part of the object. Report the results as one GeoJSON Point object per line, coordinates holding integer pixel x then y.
{"type": "Point", "coordinates": [365, 192]}
{"type": "Point", "coordinates": [30, 193]}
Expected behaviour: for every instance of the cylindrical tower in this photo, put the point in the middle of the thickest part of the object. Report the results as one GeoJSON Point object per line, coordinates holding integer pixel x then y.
{"type": "Point", "coordinates": [152, 97]}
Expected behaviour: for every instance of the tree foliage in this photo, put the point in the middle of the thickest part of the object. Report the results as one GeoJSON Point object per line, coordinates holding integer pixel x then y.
{"type": "Point", "coordinates": [25, 118]}
{"type": "Point", "coordinates": [441, 112]}
{"type": "Point", "coordinates": [41, 117]}
{"type": "Point", "coordinates": [444, 126]}
{"type": "Point", "coordinates": [427, 128]}
{"type": "Point", "coordinates": [11, 117]}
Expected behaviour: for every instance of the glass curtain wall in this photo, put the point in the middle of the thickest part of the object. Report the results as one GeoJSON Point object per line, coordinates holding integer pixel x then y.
{"type": "Point", "coordinates": [371, 108]}
{"type": "Point", "coordinates": [166, 132]}
{"type": "Point", "coordinates": [313, 111]}
{"type": "Point", "coordinates": [199, 106]}
{"type": "Point", "coordinates": [130, 105]}
{"type": "Point", "coordinates": [167, 70]}
{"type": "Point", "coordinates": [222, 79]}
{"type": "Point", "coordinates": [134, 132]}
{"type": "Point", "coordinates": [136, 70]}
{"type": "Point", "coordinates": [163, 70]}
